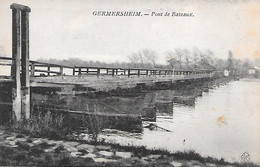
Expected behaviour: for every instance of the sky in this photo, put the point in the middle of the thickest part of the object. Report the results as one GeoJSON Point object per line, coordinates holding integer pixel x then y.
{"type": "Point", "coordinates": [64, 29]}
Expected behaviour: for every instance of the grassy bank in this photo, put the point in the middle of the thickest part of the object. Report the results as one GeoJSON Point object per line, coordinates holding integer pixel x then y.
{"type": "Point", "coordinates": [43, 140]}
{"type": "Point", "coordinates": [20, 149]}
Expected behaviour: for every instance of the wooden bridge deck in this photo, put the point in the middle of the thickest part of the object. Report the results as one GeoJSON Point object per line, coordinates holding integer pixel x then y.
{"type": "Point", "coordinates": [104, 83]}
{"type": "Point", "coordinates": [101, 78]}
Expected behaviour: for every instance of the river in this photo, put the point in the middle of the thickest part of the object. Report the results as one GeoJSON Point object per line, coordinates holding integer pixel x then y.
{"type": "Point", "coordinates": [223, 123]}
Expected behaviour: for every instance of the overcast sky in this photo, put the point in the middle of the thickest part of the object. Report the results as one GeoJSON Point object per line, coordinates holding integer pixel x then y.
{"type": "Point", "coordinates": [67, 29]}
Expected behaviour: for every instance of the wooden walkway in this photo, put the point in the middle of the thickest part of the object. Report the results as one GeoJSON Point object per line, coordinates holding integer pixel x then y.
{"type": "Point", "coordinates": [101, 78]}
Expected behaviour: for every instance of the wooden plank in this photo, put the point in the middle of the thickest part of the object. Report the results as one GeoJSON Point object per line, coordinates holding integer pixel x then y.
{"type": "Point", "coordinates": [42, 64]}
{"type": "Point", "coordinates": [91, 113]}
{"type": "Point", "coordinates": [5, 58]}
{"type": "Point", "coordinates": [47, 71]}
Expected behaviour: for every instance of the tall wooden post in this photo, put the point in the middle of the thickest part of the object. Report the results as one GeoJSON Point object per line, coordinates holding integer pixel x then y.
{"type": "Point", "coordinates": [15, 69]}
{"type": "Point", "coordinates": [20, 41]}
{"type": "Point", "coordinates": [25, 65]}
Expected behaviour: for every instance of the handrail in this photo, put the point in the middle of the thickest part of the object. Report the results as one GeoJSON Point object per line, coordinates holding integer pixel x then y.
{"type": "Point", "coordinates": [90, 70]}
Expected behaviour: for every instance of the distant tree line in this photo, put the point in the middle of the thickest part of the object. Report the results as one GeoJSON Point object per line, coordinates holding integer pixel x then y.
{"type": "Point", "coordinates": [177, 59]}
{"type": "Point", "coordinates": [196, 59]}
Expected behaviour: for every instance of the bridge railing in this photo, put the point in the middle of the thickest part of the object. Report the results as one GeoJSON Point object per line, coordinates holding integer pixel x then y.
{"type": "Point", "coordinates": [5, 66]}
{"type": "Point", "coordinates": [119, 71]}
{"type": "Point", "coordinates": [40, 68]}
{"type": "Point", "coordinates": [37, 68]}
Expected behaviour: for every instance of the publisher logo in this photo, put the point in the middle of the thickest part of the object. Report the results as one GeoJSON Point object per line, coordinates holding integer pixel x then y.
{"type": "Point", "coordinates": [245, 157]}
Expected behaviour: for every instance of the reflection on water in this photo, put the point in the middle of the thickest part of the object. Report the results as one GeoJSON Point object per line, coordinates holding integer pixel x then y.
{"type": "Point", "coordinates": [224, 122]}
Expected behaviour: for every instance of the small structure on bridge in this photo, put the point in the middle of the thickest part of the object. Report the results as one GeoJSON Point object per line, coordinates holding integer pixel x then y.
{"type": "Point", "coordinates": [255, 71]}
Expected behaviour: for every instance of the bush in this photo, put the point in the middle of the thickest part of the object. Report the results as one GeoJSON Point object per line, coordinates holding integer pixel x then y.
{"type": "Point", "coordinates": [93, 125]}
{"type": "Point", "coordinates": [24, 145]}
{"type": "Point", "coordinates": [42, 124]}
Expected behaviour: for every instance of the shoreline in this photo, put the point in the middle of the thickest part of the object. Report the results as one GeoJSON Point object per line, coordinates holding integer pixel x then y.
{"type": "Point", "coordinates": [21, 149]}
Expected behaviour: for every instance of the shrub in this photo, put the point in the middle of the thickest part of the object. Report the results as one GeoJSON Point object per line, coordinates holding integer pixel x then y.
{"type": "Point", "coordinates": [93, 124]}
{"type": "Point", "coordinates": [59, 149]}
{"type": "Point", "coordinates": [42, 124]}
{"type": "Point", "coordinates": [35, 150]}
{"type": "Point", "coordinates": [24, 145]}
{"type": "Point", "coordinates": [189, 155]}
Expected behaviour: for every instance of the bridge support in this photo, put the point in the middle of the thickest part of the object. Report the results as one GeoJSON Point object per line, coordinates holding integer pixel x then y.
{"type": "Point", "coordinates": [20, 57]}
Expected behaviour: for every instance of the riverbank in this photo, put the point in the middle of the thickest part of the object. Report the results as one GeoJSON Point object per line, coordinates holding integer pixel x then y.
{"type": "Point", "coordinates": [21, 149]}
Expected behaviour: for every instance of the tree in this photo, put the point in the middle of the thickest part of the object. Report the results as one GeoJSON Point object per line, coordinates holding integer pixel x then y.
{"type": "Point", "coordinates": [230, 60]}
{"type": "Point", "coordinates": [143, 58]}
{"type": "Point", "coordinates": [150, 56]}
{"type": "Point", "coordinates": [196, 57]}
{"type": "Point", "coordinates": [171, 59]}
{"type": "Point", "coordinates": [219, 63]}
{"type": "Point", "coordinates": [186, 59]}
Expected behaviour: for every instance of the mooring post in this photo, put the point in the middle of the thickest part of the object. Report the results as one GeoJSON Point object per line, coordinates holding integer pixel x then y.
{"type": "Point", "coordinates": [20, 40]}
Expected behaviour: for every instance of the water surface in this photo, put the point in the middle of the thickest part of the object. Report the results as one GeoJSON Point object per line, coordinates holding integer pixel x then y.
{"type": "Point", "coordinates": [225, 122]}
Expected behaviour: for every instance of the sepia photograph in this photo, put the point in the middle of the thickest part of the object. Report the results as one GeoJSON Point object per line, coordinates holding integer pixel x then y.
{"type": "Point", "coordinates": [172, 83]}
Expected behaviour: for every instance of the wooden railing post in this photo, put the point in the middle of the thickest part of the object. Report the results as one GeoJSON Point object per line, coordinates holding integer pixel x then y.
{"type": "Point", "coordinates": [98, 72]}
{"type": "Point", "coordinates": [128, 73]}
{"type": "Point", "coordinates": [48, 70]}
{"type": "Point", "coordinates": [79, 70]}
{"type": "Point", "coordinates": [73, 72]}
{"type": "Point", "coordinates": [32, 69]}
{"type": "Point", "coordinates": [113, 72]}
{"type": "Point", "coordinates": [61, 70]}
